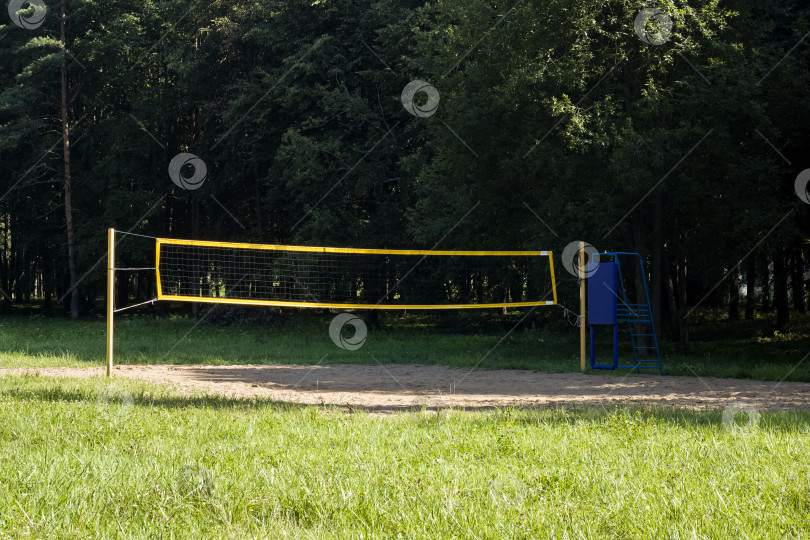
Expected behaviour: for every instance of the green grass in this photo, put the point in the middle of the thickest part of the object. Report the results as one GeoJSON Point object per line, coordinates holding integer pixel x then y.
{"type": "Point", "coordinates": [82, 461]}
{"type": "Point", "coordinates": [45, 342]}
{"type": "Point", "coordinates": [743, 350]}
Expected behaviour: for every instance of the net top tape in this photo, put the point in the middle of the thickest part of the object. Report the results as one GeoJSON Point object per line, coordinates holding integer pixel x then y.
{"type": "Point", "coordinates": [319, 249]}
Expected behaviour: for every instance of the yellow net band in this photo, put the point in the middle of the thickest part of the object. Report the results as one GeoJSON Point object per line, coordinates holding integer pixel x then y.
{"type": "Point", "coordinates": [281, 303]}
{"type": "Point", "coordinates": [351, 278]}
{"type": "Point", "coordinates": [318, 249]}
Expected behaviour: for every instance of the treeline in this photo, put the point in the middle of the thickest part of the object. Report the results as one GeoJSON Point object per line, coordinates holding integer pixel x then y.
{"type": "Point", "coordinates": [556, 121]}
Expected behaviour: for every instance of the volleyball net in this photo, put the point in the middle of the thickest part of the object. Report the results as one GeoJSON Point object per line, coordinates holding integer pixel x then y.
{"type": "Point", "coordinates": [351, 278]}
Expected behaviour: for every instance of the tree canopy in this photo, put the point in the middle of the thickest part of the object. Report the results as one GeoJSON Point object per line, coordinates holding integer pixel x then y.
{"type": "Point", "coordinates": [673, 128]}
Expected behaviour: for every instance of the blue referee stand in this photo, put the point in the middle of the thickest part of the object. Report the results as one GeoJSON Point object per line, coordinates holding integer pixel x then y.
{"type": "Point", "coordinates": [608, 305]}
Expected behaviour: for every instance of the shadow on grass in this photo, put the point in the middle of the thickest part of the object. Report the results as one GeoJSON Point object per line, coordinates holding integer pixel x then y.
{"type": "Point", "coordinates": [609, 417]}
{"type": "Point", "coordinates": [743, 349]}
{"type": "Point", "coordinates": [146, 399]}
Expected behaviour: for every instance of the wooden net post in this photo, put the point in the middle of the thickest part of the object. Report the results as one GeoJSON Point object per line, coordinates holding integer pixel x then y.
{"type": "Point", "coordinates": [582, 307]}
{"type": "Point", "coordinates": [110, 297]}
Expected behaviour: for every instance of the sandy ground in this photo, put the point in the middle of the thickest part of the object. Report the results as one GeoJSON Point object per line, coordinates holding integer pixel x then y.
{"type": "Point", "coordinates": [401, 387]}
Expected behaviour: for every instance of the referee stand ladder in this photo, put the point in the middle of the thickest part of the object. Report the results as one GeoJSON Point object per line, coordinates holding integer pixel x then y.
{"type": "Point", "coordinates": [609, 305]}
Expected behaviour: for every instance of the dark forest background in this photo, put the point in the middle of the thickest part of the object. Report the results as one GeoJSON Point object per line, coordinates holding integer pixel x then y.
{"type": "Point", "coordinates": [556, 123]}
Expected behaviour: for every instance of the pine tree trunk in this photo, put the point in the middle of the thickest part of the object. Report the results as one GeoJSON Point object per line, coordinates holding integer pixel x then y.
{"type": "Point", "coordinates": [121, 288]}
{"type": "Point", "coordinates": [675, 320]}
{"type": "Point", "coordinates": [641, 295]}
{"type": "Point", "coordinates": [257, 186]}
{"type": "Point", "coordinates": [47, 286]}
{"type": "Point", "coordinates": [734, 299]}
{"type": "Point", "coordinates": [683, 334]}
{"type": "Point", "coordinates": [656, 263]}
{"type": "Point", "coordinates": [780, 291]}
{"type": "Point", "coordinates": [681, 296]}
{"type": "Point", "coordinates": [766, 283]}
{"type": "Point", "coordinates": [74, 296]}
{"type": "Point", "coordinates": [5, 265]}
{"type": "Point", "coordinates": [195, 232]}
{"type": "Point", "coordinates": [797, 280]}
{"type": "Point", "coordinates": [750, 285]}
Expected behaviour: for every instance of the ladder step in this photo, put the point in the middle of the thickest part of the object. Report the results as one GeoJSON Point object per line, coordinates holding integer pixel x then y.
{"type": "Point", "coordinates": [638, 347]}
{"type": "Point", "coordinates": [641, 334]}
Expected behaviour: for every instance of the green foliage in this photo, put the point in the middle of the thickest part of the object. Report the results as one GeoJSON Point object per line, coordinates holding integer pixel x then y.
{"type": "Point", "coordinates": [552, 108]}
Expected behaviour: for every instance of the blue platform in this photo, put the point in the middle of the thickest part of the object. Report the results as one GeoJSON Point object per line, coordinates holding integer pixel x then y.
{"type": "Point", "coordinates": [608, 305]}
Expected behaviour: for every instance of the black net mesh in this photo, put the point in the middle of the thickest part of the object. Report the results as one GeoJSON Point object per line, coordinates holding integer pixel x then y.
{"type": "Point", "coordinates": [192, 272]}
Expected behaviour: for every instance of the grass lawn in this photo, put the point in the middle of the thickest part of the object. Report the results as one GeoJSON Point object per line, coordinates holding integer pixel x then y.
{"type": "Point", "coordinates": [743, 350]}
{"type": "Point", "coordinates": [81, 459]}
{"type": "Point", "coordinates": [90, 458]}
